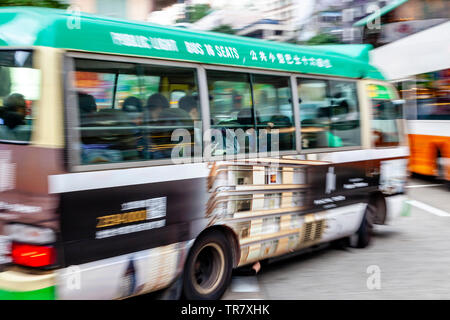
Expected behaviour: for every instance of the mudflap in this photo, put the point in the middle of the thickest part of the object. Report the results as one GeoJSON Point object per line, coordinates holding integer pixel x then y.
{"type": "Point", "coordinates": [173, 292]}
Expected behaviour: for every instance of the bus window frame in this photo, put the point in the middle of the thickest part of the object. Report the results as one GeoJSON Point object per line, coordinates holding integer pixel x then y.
{"type": "Point", "coordinates": [71, 114]}
{"type": "Point", "coordinates": [360, 110]}
{"type": "Point", "coordinates": [72, 102]}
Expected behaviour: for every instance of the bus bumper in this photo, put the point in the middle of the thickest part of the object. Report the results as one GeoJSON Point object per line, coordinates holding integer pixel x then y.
{"type": "Point", "coordinates": [19, 285]}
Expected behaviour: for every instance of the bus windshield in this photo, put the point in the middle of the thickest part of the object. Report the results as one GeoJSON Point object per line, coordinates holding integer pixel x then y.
{"type": "Point", "coordinates": [19, 93]}
{"type": "Point", "coordinates": [386, 112]}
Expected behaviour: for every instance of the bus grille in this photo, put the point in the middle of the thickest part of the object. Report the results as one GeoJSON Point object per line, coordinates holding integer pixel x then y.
{"type": "Point", "coordinates": [313, 231]}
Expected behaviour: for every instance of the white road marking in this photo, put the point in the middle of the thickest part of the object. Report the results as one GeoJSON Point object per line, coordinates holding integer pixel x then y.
{"type": "Point", "coordinates": [428, 208]}
{"type": "Point", "coordinates": [244, 288]}
{"type": "Point", "coordinates": [244, 284]}
{"type": "Point", "coordinates": [423, 185]}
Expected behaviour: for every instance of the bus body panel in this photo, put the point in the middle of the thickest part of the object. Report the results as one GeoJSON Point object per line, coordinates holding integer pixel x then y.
{"type": "Point", "coordinates": [144, 261]}
{"type": "Point", "coordinates": [24, 193]}
{"type": "Point", "coordinates": [428, 139]}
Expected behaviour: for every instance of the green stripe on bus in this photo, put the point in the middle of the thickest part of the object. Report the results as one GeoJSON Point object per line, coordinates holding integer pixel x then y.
{"type": "Point", "coordinates": [41, 294]}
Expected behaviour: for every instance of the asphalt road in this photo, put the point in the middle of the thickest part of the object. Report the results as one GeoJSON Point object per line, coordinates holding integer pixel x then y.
{"type": "Point", "coordinates": [408, 259]}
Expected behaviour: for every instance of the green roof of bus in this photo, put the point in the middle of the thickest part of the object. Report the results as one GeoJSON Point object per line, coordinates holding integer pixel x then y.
{"type": "Point", "coordinates": [28, 26]}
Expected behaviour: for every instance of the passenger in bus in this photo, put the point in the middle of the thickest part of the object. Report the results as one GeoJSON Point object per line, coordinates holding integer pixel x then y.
{"type": "Point", "coordinates": [86, 103]}
{"type": "Point", "coordinates": [96, 145]}
{"type": "Point", "coordinates": [132, 106]}
{"type": "Point", "coordinates": [156, 103]}
{"type": "Point", "coordinates": [152, 143]}
{"type": "Point", "coordinates": [189, 104]}
{"type": "Point", "coordinates": [15, 111]}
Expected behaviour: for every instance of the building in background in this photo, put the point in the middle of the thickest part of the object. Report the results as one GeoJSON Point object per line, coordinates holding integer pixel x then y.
{"type": "Point", "coordinates": [124, 9]}
{"type": "Point", "coordinates": [401, 18]}
{"type": "Point", "coordinates": [268, 29]}
{"type": "Point", "coordinates": [377, 22]}
{"type": "Point", "coordinates": [336, 18]}
{"type": "Point", "coordinates": [278, 20]}
{"type": "Point", "coordinates": [235, 18]}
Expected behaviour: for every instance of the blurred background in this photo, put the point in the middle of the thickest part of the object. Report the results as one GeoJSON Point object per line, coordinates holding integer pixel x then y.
{"type": "Point", "coordinates": [378, 22]}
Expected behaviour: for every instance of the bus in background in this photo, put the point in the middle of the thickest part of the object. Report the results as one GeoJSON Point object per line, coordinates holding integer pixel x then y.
{"type": "Point", "coordinates": [423, 80]}
{"type": "Point", "coordinates": [428, 95]}
{"type": "Point", "coordinates": [135, 157]}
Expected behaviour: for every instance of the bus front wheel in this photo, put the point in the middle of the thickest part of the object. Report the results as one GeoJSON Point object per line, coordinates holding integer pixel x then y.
{"type": "Point", "coordinates": [208, 268]}
{"type": "Point", "coordinates": [363, 236]}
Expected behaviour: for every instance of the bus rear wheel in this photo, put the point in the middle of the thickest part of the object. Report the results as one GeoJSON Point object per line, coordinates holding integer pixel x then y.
{"type": "Point", "coordinates": [208, 268]}
{"type": "Point", "coordinates": [440, 166]}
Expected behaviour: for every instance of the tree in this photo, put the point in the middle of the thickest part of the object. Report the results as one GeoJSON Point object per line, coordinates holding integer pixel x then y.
{"type": "Point", "coordinates": [40, 3]}
{"type": "Point", "coordinates": [322, 38]}
{"type": "Point", "coordinates": [196, 12]}
{"type": "Point", "coordinates": [224, 28]}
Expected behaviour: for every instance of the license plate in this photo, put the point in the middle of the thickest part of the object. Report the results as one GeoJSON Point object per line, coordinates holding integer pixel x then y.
{"type": "Point", "coordinates": [5, 249]}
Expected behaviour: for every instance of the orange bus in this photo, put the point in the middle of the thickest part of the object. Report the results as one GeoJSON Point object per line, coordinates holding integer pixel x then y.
{"type": "Point", "coordinates": [423, 81]}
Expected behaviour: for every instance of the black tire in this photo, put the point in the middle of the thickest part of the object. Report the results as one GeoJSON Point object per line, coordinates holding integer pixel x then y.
{"type": "Point", "coordinates": [440, 169]}
{"type": "Point", "coordinates": [380, 207]}
{"type": "Point", "coordinates": [363, 236]}
{"type": "Point", "coordinates": [208, 268]}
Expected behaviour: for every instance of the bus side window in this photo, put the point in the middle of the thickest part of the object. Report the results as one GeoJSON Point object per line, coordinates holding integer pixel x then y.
{"type": "Point", "coordinates": [272, 104]}
{"type": "Point", "coordinates": [385, 115]}
{"type": "Point", "coordinates": [231, 112]}
{"type": "Point", "coordinates": [125, 114]}
{"type": "Point", "coordinates": [314, 118]}
{"type": "Point", "coordinates": [169, 115]}
{"type": "Point", "coordinates": [345, 114]}
{"type": "Point", "coordinates": [249, 121]}
{"type": "Point", "coordinates": [329, 113]}
{"type": "Point", "coordinates": [384, 124]}
{"type": "Point", "coordinates": [107, 133]}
